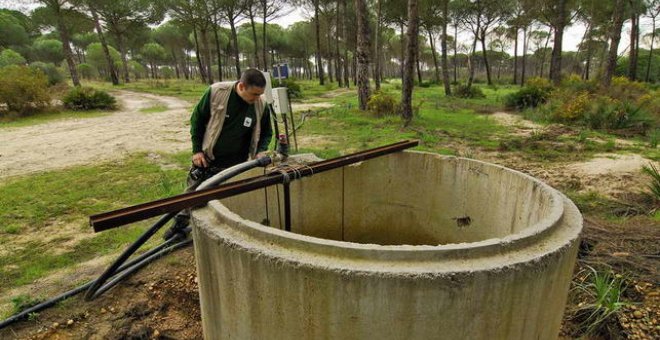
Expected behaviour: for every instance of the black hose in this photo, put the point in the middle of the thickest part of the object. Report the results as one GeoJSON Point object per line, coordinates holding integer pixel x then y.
{"type": "Point", "coordinates": [41, 306]}
{"type": "Point", "coordinates": [120, 270]}
{"type": "Point", "coordinates": [112, 270]}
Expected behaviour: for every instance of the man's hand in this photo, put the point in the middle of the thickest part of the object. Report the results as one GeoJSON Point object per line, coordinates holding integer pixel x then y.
{"type": "Point", "coordinates": [199, 159]}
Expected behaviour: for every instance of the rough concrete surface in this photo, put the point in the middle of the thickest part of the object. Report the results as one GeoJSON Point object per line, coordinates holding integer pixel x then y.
{"type": "Point", "coordinates": [407, 246]}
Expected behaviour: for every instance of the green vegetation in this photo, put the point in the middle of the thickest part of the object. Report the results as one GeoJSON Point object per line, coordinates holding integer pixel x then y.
{"type": "Point", "coordinates": [603, 292]}
{"type": "Point", "coordinates": [625, 107]}
{"type": "Point", "coordinates": [6, 122]}
{"type": "Point", "coordinates": [154, 108]}
{"type": "Point", "coordinates": [183, 89]}
{"type": "Point", "coordinates": [439, 122]}
{"type": "Point", "coordinates": [66, 198]}
{"type": "Point", "coordinates": [23, 90]}
{"type": "Point", "coordinates": [87, 98]}
{"type": "Point", "coordinates": [654, 185]}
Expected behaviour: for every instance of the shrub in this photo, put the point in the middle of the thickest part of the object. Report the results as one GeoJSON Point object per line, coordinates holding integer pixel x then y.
{"type": "Point", "coordinates": [10, 57]}
{"type": "Point", "coordinates": [572, 107]}
{"type": "Point", "coordinates": [526, 97]}
{"type": "Point", "coordinates": [602, 291]}
{"type": "Point", "coordinates": [50, 70]}
{"type": "Point", "coordinates": [167, 72]}
{"type": "Point", "coordinates": [293, 88]}
{"type": "Point", "coordinates": [382, 104]}
{"type": "Point", "coordinates": [539, 82]}
{"type": "Point", "coordinates": [623, 89]}
{"type": "Point", "coordinates": [463, 91]}
{"type": "Point", "coordinates": [575, 83]}
{"type": "Point", "coordinates": [87, 98]}
{"type": "Point", "coordinates": [23, 89]}
{"type": "Point", "coordinates": [654, 185]}
{"type": "Point", "coordinates": [87, 71]}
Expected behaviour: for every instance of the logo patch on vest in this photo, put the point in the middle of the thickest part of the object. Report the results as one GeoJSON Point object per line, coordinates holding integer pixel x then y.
{"type": "Point", "coordinates": [247, 122]}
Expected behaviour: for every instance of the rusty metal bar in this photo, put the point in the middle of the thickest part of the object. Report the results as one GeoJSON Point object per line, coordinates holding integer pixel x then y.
{"type": "Point", "coordinates": [116, 218]}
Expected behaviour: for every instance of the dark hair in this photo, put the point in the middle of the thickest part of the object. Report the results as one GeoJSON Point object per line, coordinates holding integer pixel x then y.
{"type": "Point", "coordinates": [253, 77]}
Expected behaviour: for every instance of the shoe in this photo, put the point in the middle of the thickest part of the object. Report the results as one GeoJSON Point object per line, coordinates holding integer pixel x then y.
{"type": "Point", "coordinates": [179, 226]}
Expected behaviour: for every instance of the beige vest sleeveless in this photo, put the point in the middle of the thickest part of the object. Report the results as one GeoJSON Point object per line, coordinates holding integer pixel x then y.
{"type": "Point", "coordinates": [219, 98]}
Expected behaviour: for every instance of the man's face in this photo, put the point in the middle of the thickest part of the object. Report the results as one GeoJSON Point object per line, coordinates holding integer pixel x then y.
{"type": "Point", "coordinates": [249, 93]}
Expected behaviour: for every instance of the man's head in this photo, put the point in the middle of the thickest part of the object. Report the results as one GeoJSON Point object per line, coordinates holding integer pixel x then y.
{"type": "Point", "coordinates": [251, 85]}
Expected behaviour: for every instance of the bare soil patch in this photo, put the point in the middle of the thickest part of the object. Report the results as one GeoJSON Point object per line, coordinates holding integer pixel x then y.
{"type": "Point", "coordinates": [161, 302]}
{"type": "Point", "coordinates": [70, 142]}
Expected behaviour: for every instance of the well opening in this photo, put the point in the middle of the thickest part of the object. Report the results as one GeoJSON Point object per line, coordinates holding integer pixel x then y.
{"type": "Point", "coordinates": [410, 199]}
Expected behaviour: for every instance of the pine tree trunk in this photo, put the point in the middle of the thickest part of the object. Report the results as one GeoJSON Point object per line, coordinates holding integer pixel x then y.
{"type": "Point", "coordinates": [124, 62]}
{"type": "Point", "coordinates": [615, 38]}
{"type": "Point", "coordinates": [471, 65]}
{"type": "Point", "coordinates": [378, 44]}
{"type": "Point", "coordinates": [347, 82]}
{"type": "Point", "coordinates": [524, 58]}
{"type": "Point", "coordinates": [485, 54]}
{"type": "Point", "coordinates": [264, 4]}
{"type": "Point", "coordinates": [217, 51]}
{"type": "Point", "coordinates": [435, 57]}
{"type": "Point", "coordinates": [198, 57]}
{"type": "Point", "coordinates": [338, 64]}
{"type": "Point", "coordinates": [648, 64]}
{"type": "Point", "coordinates": [319, 61]}
{"type": "Point", "coordinates": [68, 55]}
{"type": "Point", "coordinates": [206, 51]}
{"type": "Point", "coordinates": [555, 59]}
{"type": "Point", "coordinates": [443, 45]}
{"type": "Point", "coordinates": [254, 38]}
{"type": "Point", "coordinates": [455, 53]}
{"type": "Point", "coordinates": [515, 58]}
{"type": "Point", "coordinates": [411, 48]}
{"type": "Point", "coordinates": [106, 52]}
{"type": "Point", "coordinates": [362, 53]}
{"type": "Point", "coordinates": [234, 38]}
{"type": "Point", "coordinates": [634, 44]}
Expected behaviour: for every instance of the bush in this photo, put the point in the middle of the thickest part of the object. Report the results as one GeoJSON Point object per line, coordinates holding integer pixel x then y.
{"type": "Point", "coordinates": [575, 83]}
{"type": "Point", "coordinates": [463, 91]}
{"type": "Point", "coordinates": [87, 98]}
{"type": "Point", "coordinates": [293, 88]}
{"type": "Point", "coordinates": [87, 71]}
{"type": "Point", "coordinates": [526, 97]}
{"type": "Point", "coordinates": [382, 104]}
{"type": "Point", "coordinates": [11, 57]}
{"type": "Point", "coordinates": [540, 83]}
{"type": "Point", "coordinates": [167, 72]}
{"type": "Point", "coordinates": [50, 70]}
{"type": "Point", "coordinates": [23, 90]}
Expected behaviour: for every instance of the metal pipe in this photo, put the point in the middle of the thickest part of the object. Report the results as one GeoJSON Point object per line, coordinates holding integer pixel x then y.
{"type": "Point", "coordinates": [143, 211]}
{"type": "Point", "coordinates": [287, 207]}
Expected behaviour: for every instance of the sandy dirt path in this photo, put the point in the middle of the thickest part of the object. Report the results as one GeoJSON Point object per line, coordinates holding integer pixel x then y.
{"type": "Point", "coordinates": [70, 142]}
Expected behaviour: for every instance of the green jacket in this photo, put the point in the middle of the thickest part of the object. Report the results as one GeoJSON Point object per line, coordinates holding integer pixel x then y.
{"type": "Point", "coordinates": [226, 128]}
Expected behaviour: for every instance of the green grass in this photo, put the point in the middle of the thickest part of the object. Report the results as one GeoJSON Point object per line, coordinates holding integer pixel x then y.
{"type": "Point", "coordinates": [436, 125]}
{"type": "Point", "coordinates": [40, 118]}
{"type": "Point", "coordinates": [154, 109]}
{"type": "Point", "coordinates": [70, 196]}
{"type": "Point", "coordinates": [603, 292]}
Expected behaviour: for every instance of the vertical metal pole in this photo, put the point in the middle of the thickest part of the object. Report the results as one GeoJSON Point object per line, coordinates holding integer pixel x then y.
{"type": "Point", "coordinates": [293, 123]}
{"type": "Point", "coordinates": [287, 207]}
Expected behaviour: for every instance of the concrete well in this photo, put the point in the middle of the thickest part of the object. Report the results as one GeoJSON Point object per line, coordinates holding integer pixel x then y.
{"type": "Point", "coordinates": [407, 246]}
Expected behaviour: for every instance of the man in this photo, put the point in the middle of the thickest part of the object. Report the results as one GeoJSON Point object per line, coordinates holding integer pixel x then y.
{"type": "Point", "coordinates": [228, 126]}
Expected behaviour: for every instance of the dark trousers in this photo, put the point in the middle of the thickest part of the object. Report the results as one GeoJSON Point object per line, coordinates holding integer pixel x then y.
{"type": "Point", "coordinates": [196, 176]}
